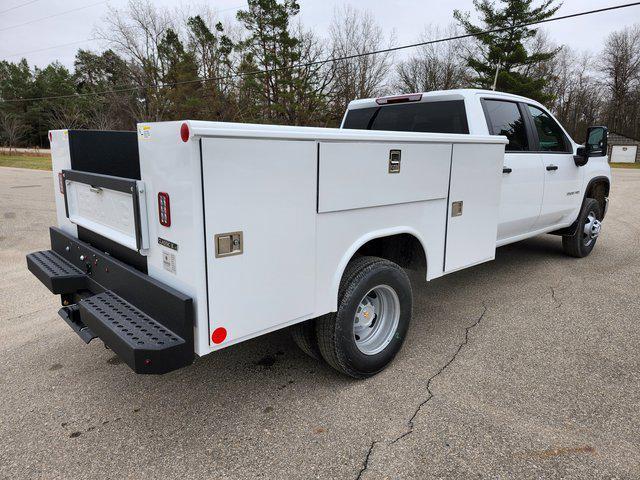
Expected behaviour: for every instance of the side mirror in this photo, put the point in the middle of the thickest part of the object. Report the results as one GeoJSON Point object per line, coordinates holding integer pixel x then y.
{"type": "Point", "coordinates": [581, 158]}
{"type": "Point", "coordinates": [595, 145]}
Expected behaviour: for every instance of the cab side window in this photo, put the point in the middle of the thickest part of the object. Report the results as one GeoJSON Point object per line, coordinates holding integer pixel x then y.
{"type": "Point", "coordinates": [551, 138]}
{"type": "Point", "coordinates": [504, 118]}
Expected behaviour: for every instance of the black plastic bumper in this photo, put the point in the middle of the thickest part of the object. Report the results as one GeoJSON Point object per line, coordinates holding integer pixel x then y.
{"type": "Point", "coordinates": [148, 324]}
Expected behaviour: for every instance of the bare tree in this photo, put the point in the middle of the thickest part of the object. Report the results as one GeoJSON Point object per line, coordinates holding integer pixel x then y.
{"type": "Point", "coordinates": [313, 81]}
{"type": "Point", "coordinates": [136, 33]}
{"type": "Point", "coordinates": [67, 115]}
{"type": "Point", "coordinates": [354, 32]}
{"type": "Point", "coordinates": [437, 66]}
{"type": "Point", "coordinates": [621, 59]}
{"type": "Point", "coordinates": [12, 129]}
{"type": "Point", "coordinates": [575, 91]}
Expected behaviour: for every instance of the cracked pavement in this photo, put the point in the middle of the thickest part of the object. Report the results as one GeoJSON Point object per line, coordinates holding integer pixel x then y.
{"type": "Point", "coordinates": [527, 366]}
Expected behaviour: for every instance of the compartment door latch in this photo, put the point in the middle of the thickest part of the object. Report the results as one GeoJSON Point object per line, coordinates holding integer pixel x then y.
{"type": "Point", "coordinates": [228, 244]}
{"type": "Point", "coordinates": [394, 161]}
{"type": "Point", "coordinates": [456, 209]}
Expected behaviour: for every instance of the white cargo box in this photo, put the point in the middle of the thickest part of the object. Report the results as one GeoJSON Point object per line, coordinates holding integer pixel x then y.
{"type": "Point", "coordinates": [264, 219]}
{"type": "Point", "coordinates": [303, 201]}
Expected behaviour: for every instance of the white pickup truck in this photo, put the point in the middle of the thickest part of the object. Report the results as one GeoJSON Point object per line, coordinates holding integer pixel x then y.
{"type": "Point", "coordinates": [186, 237]}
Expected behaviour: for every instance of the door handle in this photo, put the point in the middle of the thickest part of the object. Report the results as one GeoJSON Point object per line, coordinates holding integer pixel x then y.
{"type": "Point", "coordinates": [507, 170]}
{"type": "Point", "coordinates": [552, 167]}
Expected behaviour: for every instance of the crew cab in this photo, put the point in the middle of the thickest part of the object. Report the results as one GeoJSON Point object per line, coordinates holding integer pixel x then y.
{"type": "Point", "coordinates": [547, 176]}
{"type": "Point", "coordinates": [186, 237]}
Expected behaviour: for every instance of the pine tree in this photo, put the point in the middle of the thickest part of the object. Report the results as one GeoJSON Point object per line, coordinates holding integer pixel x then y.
{"type": "Point", "coordinates": [183, 93]}
{"type": "Point", "coordinates": [507, 50]}
{"type": "Point", "coordinates": [273, 48]}
{"type": "Point", "coordinates": [287, 93]}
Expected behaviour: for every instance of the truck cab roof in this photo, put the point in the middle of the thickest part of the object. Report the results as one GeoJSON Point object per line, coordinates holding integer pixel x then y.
{"type": "Point", "coordinates": [438, 95]}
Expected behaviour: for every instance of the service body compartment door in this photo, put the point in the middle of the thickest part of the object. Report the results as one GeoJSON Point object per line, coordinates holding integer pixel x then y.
{"type": "Point", "coordinates": [361, 175]}
{"type": "Point", "coordinates": [474, 202]}
{"type": "Point", "coordinates": [260, 194]}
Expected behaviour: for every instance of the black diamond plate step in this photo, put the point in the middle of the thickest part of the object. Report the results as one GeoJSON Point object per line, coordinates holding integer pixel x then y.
{"type": "Point", "coordinates": [142, 342]}
{"type": "Point", "coordinates": [56, 273]}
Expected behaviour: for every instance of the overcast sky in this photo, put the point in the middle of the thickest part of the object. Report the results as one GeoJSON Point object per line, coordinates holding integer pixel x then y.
{"type": "Point", "coordinates": [407, 18]}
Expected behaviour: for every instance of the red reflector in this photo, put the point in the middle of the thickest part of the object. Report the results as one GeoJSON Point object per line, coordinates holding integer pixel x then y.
{"type": "Point", "coordinates": [414, 97]}
{"type": "Point", "coordinates": [50, 137]}
{"type": "Point", "coordinates": [184, 132]}
{"type": "Point", "coordinates": [60, 182]}
{"type": "Point", "coordinates": [164, 209]}
{"type": "Point", "coordinates": [219, 334]}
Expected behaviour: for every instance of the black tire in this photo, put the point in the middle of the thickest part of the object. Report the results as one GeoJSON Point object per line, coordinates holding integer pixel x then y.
{"type": "Point", "coordinates": [580, 245]}
{"type": "Point", "coordinates": [335, 331]}
{"type": "Point", "coordinates": [304, 336]}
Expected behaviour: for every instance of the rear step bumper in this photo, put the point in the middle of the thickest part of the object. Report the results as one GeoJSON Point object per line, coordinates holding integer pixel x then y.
{"type": "Point", "coordinates": [148, 324]}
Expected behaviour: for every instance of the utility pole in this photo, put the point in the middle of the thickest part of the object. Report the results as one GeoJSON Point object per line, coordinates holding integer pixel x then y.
{"type": "Point", "coordinates": [495, 79]}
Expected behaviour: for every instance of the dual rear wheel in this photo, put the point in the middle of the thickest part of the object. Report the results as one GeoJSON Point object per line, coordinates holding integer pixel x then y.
{"type": "Point", "coordinates": [369, 327]}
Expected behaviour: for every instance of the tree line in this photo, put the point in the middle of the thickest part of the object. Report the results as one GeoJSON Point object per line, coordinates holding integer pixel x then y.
{"type": "Point", "coordinates": [266, 67]}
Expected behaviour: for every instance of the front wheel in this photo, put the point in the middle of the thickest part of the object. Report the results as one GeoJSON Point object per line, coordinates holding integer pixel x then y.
{"type": "Point", "coordinates": [374, 311]}
{"type": "Point", "coordinates": [581, 243]}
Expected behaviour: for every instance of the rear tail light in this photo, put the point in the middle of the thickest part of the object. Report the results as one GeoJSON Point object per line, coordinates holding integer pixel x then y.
{"type": "Point", "coordinates": [164, 209]}
{"type": "Point", "coordinates": [61, 182]}
{"type": "Point", "coordinates": [413, 97]}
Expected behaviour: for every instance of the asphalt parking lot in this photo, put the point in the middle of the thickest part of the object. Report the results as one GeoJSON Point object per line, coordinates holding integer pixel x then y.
{"type": "Point", "coordinates": [528, 366]}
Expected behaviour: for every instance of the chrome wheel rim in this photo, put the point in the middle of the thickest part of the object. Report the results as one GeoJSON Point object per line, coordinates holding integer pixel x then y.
{"type": "Point", "coordinates": [376, 319]}
{"type": "Point", "coordinates": [592, 227]}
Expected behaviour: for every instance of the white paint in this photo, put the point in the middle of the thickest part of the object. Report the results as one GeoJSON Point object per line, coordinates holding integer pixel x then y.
{"type": "Point", "coordinates": [267, 190]}
{"type": "Point", "coordinates": [356, 175]}
{"type": "Point", "coordinates": [475, 180]}
{"type": "Point", "coordinates": [167, 164]}
{"type": "Point", "coordinates": [563, 193]}
{"type": "Point", "coordinates": [624, 153]}
{"type": "Point", "coordinates": [61, 160]}
{"type": "Point", "coordinates": [521, 194]}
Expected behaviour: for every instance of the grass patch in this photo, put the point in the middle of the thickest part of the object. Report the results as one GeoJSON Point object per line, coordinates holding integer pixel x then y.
{"type": "Point", "coordinates": [625, 165]}
{"type": "Point", "coordinates": [25, 161]}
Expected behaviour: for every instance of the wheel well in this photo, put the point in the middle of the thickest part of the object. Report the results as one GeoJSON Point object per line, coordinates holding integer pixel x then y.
{"type": "Point", "coordinates": [600, 191]}
{"type": "Point", "coordinates": [403, 249]}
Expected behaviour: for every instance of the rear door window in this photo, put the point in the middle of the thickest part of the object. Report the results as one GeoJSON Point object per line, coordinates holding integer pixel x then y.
{"type": "Point", "coordinates": [437, 117]}
{"type": "Point", "coordinates": [504, 118]}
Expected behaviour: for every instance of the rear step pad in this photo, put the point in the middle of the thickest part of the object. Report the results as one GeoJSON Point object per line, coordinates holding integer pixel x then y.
{"type": "Point", "coordinates": [142, 342]}
{"type": "Point", "coordinates": [56, 273]}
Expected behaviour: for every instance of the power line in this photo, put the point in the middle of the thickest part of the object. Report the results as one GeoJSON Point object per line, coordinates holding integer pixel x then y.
{"type": "Point", "coordinates": [18, 6]}
{"type": "Point", "coordinates": [86, 40]}
{"type": "Point", "coordinates": [52, 16]}
{"type": "Point", "coordinates": [231, 8]}
{"type": "Point", "coordinates": [49, 48]}
{"type": "Point", "coordinates": [328, 60]}
{"type": "Point", "coordinates": [81, 41]}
